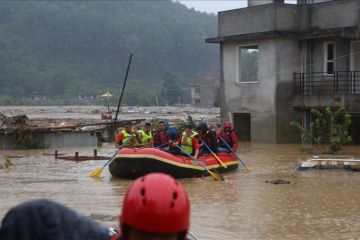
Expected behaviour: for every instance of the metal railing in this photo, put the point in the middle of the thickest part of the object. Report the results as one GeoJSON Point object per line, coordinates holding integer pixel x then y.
{"type": "Point", "coordinates": [321, 83]}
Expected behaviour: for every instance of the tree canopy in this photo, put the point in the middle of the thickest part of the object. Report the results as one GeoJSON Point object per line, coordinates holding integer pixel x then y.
{"type": "Point", "coordinates": [65, 49]}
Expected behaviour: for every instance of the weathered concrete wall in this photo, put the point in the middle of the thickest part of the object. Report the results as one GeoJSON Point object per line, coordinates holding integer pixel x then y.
{"type": "Point", "coordinates": [269, 100]}
{"type": "Point", "coordinates": [352, 102]}
{"type": "Point", "coordinates": [289, 17]}
{"type": "Point", "coordinates": [258, 99]}
{"type": "Point", "coordinates": [288, 60]}
{"type": "Point", "coordinates": [263, 18]}
{"type": "Point", "coordinates": [334, 14]}
{"type": "Point", "coordinates": [312, 1]}
{"type": "Point", "coordinates": [342, 54]}
{"type": "Point", "coordinates": [252, 3]}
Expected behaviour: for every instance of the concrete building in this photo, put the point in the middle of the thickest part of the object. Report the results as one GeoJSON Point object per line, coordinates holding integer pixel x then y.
{"type": "Point", "coordinates": [205, 91]}
{"type": "Point", "coordinates": [277, 61]}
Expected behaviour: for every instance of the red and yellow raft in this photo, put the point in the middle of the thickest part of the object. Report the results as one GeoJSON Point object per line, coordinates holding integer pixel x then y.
{"type": "Point", "coordinates": [131, 163]}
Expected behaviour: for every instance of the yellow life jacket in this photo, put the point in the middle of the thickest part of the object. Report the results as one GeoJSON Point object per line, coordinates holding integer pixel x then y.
{"type": "Point", "coordinates": [129, 139]}
{"type": "Point", "coordinates": [186, 142]}
{"type": "Point", "coordinates": [145, 137]}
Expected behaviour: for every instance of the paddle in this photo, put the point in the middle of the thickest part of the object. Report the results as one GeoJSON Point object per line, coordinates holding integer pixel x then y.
{"type": "Point", "coordinates": [217, 158]}
{"type": "Point", "coordinates": [97, 172]}
{"type": "Point", "coordinates": [243, 163]}
{"type": "Point", "coordinates": [191, 236]}
{"type": "Point", "coordinates": [162, 145]}
{"type": "Point", "coordinates": [216, 176]}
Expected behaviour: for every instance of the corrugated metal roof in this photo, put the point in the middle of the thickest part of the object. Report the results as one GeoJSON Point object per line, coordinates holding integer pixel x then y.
{"type": "Point", "coordinates": [50, 140]}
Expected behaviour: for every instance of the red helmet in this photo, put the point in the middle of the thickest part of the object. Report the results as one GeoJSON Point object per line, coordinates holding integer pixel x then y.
{"type": "Point", "coordinates": [156, 203]}
{"type": "Point", "coordinates": [227, 124]}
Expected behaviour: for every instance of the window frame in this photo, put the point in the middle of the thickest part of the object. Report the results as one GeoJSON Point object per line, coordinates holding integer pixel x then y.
{"type": "Point", "coordinates": [237, 80]}
{"type": "Point", "coordinates": [326, 61]}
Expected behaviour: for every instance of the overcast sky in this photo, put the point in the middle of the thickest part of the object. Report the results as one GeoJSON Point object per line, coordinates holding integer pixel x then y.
{"type": "Point", "coordinates": [215, 6]}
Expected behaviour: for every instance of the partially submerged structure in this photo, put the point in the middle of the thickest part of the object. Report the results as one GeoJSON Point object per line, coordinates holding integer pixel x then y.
{"type": "Point", "coordinates": [277, 61]}
{"type": "Point", "coordinates": [19, 132]}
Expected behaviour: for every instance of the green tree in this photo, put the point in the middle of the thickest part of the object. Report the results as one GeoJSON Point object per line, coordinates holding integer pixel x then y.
{"type": "Point", "coordinates": [336, 123]}
{"type": "Point", "coordinates": [65, 48]}
{"type": "Point", "coordinates": [170, 92]}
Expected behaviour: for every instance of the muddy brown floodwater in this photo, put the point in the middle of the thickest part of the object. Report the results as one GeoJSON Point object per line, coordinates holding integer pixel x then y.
{"type": "Point", "coordinates": [315, 205]}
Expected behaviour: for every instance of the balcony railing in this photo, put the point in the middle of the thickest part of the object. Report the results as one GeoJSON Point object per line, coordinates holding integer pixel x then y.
{"type": "Point", "coordinates": [321, 83]}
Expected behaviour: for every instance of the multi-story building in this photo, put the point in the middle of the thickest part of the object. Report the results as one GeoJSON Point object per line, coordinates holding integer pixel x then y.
{"type": "Point", "coordinates": [205, 91]}
{"type": "Point", "coordinates": [277, 61]}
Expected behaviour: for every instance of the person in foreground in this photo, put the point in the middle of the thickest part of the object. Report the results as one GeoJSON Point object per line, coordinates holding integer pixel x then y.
{"type": "Point", "coordinates": [156, 207]}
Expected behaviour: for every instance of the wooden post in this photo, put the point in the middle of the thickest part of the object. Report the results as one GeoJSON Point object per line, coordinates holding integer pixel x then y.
{"type": "Point", "coordinates": [56, 154]}
{"type": "Point", "coordinates": [76, 155]}
{"type": "Point", "coordinates": [95, 152]}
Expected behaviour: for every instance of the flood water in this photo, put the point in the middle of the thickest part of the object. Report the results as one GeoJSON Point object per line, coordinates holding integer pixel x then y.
{"type": "Point", "coordinates": [315, 205]}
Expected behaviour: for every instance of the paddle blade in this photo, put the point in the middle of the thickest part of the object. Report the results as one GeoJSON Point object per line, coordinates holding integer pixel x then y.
{"type": "Point", "coordinates": [219, 175]}
{"type": "Point", "coordinates": [97, 172]}
{"type": "Point", "coordinates": [214, 175]}
{"type": "Point", "coordinates": [248, 170]}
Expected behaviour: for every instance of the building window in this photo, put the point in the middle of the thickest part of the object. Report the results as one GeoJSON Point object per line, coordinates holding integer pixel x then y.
{"type": "Point", "coordinates": [247, 64]}
{"type": "Point", "coordinates": [197, 90]}
{"type": "Point", "coordinates": [329, 63]}
{"type": "Point", "coordinates": [197, 101]}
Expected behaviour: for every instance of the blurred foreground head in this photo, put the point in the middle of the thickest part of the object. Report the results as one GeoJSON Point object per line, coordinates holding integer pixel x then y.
{"type": "Point", "coordinates": [156, 206]}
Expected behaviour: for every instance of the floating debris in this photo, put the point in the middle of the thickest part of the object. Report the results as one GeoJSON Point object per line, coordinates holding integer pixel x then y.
{"type": "Point", "coordinates": [53, 154]}
{"type": "Point", "coordinates": [48, 181]}
{"type": "Point", "coordinates": [14, 156]}
{"type": "Point", "coordinates": [278, 181]}
{"type": "Point", "coordinates": [8, 163]}
{"type": "Point", "coordinates": [330, 162]}
{"type": "Point", "coordinates": [81, 158]}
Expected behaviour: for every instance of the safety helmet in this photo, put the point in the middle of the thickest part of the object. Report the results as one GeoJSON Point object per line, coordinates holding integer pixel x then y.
{"type": "Point", "coordinates": [156, 203]}
{"type": "Point", "coordinates": [228, 124]}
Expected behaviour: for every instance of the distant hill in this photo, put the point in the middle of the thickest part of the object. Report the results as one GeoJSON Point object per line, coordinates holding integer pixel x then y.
{"type": "Point", "coordinates": [64, 49]}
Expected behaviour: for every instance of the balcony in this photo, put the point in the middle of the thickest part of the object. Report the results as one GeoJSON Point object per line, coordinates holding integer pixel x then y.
{"type": "Point", "coordinates": [318, 89]}
{"type": "Point", "coordinates": [321, 83]}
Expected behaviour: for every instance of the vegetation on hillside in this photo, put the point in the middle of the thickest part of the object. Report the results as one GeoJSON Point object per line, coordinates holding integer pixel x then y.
{"type": "Point", "coordinates": [66, 49]}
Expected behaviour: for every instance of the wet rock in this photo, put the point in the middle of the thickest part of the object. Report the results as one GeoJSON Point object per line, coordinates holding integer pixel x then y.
{"type": "Point", "coordinates": [278, 181]}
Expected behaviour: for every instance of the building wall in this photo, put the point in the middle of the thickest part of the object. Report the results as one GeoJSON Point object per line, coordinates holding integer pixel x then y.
{"type": "Point", "coordinates": [312, 1]}
{"type": "Point", "coordinates": [289, 17]}
{"type": "Point", "coordinates": [258, 99]}
{"type": "Point", "coordinates": [205, 91]}
{"type": "Point", "coordinates": [269, 17]}
{"type": "Point", "coordinates": [270, 101]}
{"type": "Point", "coordinates": [334, 14]}
{"type": "Point", "coordinates": [261, 2]}
{"type": "Point", "coordinates": [195, 95]}
{"type": "Point", "coordinates": [342, 50]}
{"type": "Point", "coordinates": [288, 61]}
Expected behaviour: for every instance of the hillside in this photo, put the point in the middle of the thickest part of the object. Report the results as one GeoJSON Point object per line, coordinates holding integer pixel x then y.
{"type": "Point", "coordinates": [65, 49]}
